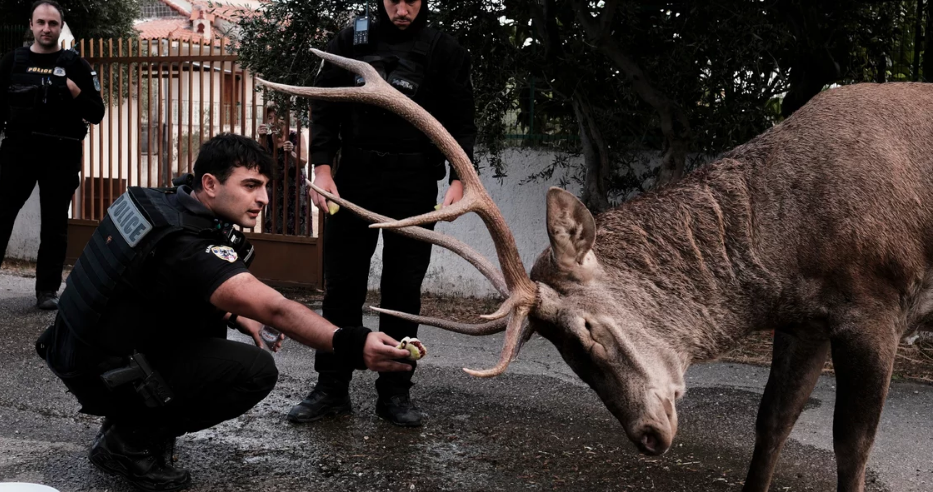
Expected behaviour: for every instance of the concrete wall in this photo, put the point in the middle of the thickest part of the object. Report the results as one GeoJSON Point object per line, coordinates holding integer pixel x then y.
{"type": "Point", "coordinates": [24, 243]}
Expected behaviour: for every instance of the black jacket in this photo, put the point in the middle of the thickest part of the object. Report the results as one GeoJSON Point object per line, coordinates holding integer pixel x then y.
{"type": "Point", "coordinates": [447, 95]}
{"type": "Point", "coordinates": [88, 106]}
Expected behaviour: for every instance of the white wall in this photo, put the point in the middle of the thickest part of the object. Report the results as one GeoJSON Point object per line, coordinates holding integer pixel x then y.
{"type": "Point", "coordinates": [24, 242]}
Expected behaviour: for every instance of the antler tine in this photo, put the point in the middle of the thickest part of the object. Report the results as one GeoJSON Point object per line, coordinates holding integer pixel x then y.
{"type": "Point", "coordinates": [487, 328]}
{"type": "Point", "coordinates": [443, 240]}
{"type": "Point", "coordinates": [522, 290]}
{"type": "Point", "coordinates": [516, 334]}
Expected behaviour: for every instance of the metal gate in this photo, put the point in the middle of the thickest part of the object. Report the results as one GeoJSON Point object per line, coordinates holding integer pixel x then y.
{"type": "Point", "coordinates": [163, 98]}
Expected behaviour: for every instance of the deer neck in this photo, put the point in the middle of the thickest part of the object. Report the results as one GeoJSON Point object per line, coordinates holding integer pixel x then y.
{"type": "Point", "coordinates": [687, 261]}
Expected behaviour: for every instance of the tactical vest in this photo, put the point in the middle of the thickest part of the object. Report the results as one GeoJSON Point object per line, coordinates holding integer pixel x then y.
{"type": "Point", "coordinates": [114, 258]}
{"type": "Point", "coordinates": [406, 67]}
{"type": "Point", "coordinates": [38, 98]}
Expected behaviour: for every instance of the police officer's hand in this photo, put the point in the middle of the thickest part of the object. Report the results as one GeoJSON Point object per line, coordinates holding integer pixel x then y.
{"type": "Point", "coordinates": [75, 90]}
{"type": "Point", "coordinates": [454, 193]}
{"type": "Point", "coordinates": [252, 328]}
{"type": "Point", "coordinates": [380, 353]}
{"type": "Point", "coordinates": [323, 180]}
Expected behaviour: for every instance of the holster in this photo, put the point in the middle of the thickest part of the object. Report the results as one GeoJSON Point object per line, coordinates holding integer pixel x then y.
{"type": "Point", "coordinates": [148, 383]}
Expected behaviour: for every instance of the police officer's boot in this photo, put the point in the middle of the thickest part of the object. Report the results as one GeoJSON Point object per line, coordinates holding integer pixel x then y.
{"type": "Point", "coordinates": [47, 301]}
{"type": "Point", "coordinates": [394, 403]}
{"type": "Point", "coordinates": [330, 396]}
{"type": "Point", "coordinates": [140, 456]}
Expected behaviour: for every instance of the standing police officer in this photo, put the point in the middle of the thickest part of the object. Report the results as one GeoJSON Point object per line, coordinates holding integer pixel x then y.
{"type": "Point", "coordinates": [140, 336]}
{"type": "Point", "coordinates": [389, 167]}
{"type": "Point", "coordinates": [47, 98]}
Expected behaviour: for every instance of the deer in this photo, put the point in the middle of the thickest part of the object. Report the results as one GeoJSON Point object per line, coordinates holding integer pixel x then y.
{"type": "Point", "coordinates": [820, 229]}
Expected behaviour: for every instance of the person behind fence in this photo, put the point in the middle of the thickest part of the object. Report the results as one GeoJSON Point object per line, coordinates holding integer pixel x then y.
{"type": "Point", "coordinates": [390, 167]}
{"type": "Point", "coordinates": [48, 95]}
{"type": "Point", "coordinates": [140, 334]}
{"type": "Point", "coordinates": [285, 148]}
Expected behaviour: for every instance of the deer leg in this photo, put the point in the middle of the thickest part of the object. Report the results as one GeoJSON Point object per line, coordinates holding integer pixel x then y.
{"type": "Point", "coordinates": [863, 363]}
{"type": "Point", "coordinates": [795, 368]}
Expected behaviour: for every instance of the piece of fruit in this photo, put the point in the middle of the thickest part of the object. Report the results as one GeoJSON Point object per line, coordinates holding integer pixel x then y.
{"type": "Point", "coordinates": [415, 348]}
{"type": "Point", "coordinates": [332, 207]}
{"type": "Point", "coordinates": [437, 207]}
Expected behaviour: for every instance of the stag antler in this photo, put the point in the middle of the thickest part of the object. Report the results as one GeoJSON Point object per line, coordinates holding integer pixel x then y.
{"type": "Point", "coordinates": [520, 288]}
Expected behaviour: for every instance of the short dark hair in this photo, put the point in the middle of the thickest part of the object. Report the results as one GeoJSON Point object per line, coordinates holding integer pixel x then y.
{"type": "Point", "coordinates": [219, 155]}
{"type": "Point", "coordinates": [53, 3]}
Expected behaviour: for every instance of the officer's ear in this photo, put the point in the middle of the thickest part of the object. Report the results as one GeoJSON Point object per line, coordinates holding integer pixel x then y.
{"type": "Point", "coordinates": [210, 184]}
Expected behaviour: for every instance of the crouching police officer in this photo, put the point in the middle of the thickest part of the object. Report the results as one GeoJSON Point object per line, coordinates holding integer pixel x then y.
{"type": "Point", "coordinates": [140, 333]}
{"type": "Point", "coordinates": [47, 97]}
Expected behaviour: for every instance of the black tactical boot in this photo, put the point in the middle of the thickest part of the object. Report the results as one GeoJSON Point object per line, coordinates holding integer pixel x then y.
{"type": "Point", "coordinates": [140, 457]}
{"type": "Point", "coordinates": [47, 301]}
{"type": "Point", "coordinates": [319, 404]}
{"type": "Point", "coordinates": [399, 410]}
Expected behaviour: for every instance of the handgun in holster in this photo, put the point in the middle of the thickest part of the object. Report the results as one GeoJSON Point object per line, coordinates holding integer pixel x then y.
{"type": "Point", "coordinates": [149, 384]}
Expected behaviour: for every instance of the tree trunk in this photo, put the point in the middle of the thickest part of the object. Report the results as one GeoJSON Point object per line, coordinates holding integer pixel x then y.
{"type": "Point", "coordinates": [674, 123]}
{"type": "Point", "coordinates": [918, 41]}
{"type": "Point", "coordinates": [595, 154]}
{"type": "Point", "coordinates": [928, 51]}
{"type": "Point", "coordinates": [812, 64]}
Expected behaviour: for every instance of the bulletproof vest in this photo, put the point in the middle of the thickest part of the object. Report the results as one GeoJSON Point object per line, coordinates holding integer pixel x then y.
{"type": "Point", "coordinates": [38, 96]}
{"type": "Point", "coordinates": [113, 261]}
{"type": "Point", "coordinates": [402, 65]}
{"type": "Point", "coordinates": [405, 66]}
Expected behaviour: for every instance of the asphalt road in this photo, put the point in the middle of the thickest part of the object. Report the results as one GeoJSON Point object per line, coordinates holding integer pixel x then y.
{"type": "Point", "coordinates": [537, 427]}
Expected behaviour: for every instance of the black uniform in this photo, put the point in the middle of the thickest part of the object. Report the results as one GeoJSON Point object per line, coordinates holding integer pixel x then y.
{"type": "Point", "coordinates": [390, 167]}
{"type": "Point", "coordinates": [153, 298]}
{"type": "Point", "coordinates": [44, 127]}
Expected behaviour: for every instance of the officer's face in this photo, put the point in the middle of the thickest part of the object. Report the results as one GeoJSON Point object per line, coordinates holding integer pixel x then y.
{"type": "Point", "coordinates": [241, 198]}
{"type": "Point", "coordinates": [402, 12]}
{"type": "Point", "coordinates": [46, 25]}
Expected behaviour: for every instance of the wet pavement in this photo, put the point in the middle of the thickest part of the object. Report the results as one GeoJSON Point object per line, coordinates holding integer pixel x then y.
{"type": "Point", "coordinates": [537, 427]}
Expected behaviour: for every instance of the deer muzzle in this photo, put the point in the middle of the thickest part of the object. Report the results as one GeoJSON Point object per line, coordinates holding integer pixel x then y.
{"type": "Point", "coordinates": [655, 433]}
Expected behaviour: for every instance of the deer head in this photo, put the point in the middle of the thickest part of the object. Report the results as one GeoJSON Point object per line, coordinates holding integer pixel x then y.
{"type": "Point", "coordinates": [565, 299]}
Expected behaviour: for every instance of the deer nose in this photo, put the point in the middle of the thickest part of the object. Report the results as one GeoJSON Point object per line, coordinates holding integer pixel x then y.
{"type": "Point", "coordinates": [653, 441]}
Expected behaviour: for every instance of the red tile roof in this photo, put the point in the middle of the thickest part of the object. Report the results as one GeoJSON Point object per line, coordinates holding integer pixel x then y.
{"type": "Point", "coordinates": [171, 28]}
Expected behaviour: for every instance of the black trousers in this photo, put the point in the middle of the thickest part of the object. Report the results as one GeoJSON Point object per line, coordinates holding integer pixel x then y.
{"type": "Point", "coordinates": [212, 379]}
{"type": "Point", "coordinates": [54, 166]}
{"type": "Point", "coordinates": [390, 188]}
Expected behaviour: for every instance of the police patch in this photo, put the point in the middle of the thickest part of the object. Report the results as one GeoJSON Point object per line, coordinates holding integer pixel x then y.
{"type": "Point", "coordinates": [96, 81]}
{"type": "Point", "coordinates": [225, 253]}
{"type": "Point", "coordinates": [131, 223]}
{"type": "Point", "coordinates": [58, 72]}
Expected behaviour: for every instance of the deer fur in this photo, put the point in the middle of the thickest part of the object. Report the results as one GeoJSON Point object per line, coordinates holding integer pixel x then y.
{"type": "Point", "coordinates": [821, 229]}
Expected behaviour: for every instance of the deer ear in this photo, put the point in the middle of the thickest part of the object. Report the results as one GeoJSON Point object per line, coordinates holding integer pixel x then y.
{"type": "Point", "coordinates": [570, 228]}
